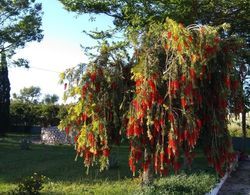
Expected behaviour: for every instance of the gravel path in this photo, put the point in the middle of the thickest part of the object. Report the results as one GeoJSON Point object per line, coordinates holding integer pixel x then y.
{"type": "Point", "coordinates": [239, 181]}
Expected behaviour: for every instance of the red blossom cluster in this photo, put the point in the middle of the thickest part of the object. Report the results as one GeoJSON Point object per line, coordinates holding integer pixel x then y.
{"type": "Point", "coordinates": [166, 121]}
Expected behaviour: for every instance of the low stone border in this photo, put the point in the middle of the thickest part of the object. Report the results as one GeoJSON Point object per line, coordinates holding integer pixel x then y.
{"type": "Point", "coordinates": [52, 135]}
{"type": "Point", "coordinates": [218, 186]}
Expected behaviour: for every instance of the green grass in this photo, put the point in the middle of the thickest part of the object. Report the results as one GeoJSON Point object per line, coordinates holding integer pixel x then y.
{"type": "Point", "coordinates": [235, 128]}
{"type": "Point", "coordinates": [69, 177]}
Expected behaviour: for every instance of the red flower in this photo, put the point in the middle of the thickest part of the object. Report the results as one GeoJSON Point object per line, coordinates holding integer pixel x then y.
{"type": "Point", "coordinates": [179, 47]}
{"type": "Point", "coordinates": [106, 152]}
{"type": "Point", "coordinates": [217, 40]}
{"type": "Point", "coordinates": [101, 127]}
{"type": "Point", "coordinates": [190, 38]}
{"type": "Point", "coordinates": [138, 82]}
{"type": "Point", "coordinates": [227, 82]}
{"type": "Point", "coordinates": [169, 35]}
{"type": "Point", "coordinates": [136, 105]}
{"type": "Point", "coordinates": [145, 165]}
{"type": "Point", "coordinates": [76, 138]}
{"type": "Point", "coordinates": [131, 162]}
{"type": "Point", "coordinates": [171, 117]}
{"type": "Point", "coordinates": [152, 85]}
{"type": "Point", "coordinates": [176, 38]}
{"type": "Point", "coordinates": [199, 123]}
{"type": "Point", "coordinates": [186, 44]}
{"type": "Point", "coordinates": [137, 130]}
{"type": "Point", "coordinates": [209, 49]}
{"type": "Point", "coordinates": [188, 89]}
{"type": "Point", "coordinates": [192, 73]}
{"type": "Point", "coordinates": [91, 139]}
{"type": "Point", "coordinates": [67, 130]}
{"type": "Point", "coordinates": [183, 78]}
{"type": "Point", "coordinates": [157, 125]}
{"type": "Point", "coordinates": [166, 46]}
{"type": "Point", "coordinates": [174, 86]}
{"type": "Point", "coordinates": [138, 155]}
{"type": "Point", "coordinates": [93, 76]}
{"type": "Point", "coordinates": [183, 102]}
{"type": "Point", "coordinates": [130, 131]}
{"type": "Point", "coordinates": [84, 116]}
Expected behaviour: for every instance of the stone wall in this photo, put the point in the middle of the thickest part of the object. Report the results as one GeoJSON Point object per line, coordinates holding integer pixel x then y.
{"type": "Point", "coordinates": [52, 135]}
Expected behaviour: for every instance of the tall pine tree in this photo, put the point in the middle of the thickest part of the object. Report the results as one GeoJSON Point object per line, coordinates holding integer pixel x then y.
{"type": "Point", "coordinates": [4, 95]}
{"type": "Point", "coordinates": [20, 22]}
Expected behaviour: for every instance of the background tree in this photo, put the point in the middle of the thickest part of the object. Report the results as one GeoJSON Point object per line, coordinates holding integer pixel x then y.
{"type": "Point", "coordinates": [20, 22]}
{"type": "Point", "coordinates": [50, 99]}
{"type": "Point", "coordinates": [29, 94]}
{"type": "Point", "coordinates": [25, 114]}
{"type": "Point", "coordinates": [28, 109]}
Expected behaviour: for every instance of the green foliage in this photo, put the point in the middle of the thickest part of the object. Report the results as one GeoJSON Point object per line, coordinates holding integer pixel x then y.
{"type": "Point", "coordinates": [20, 22]}
{"type": "Point", "coordinates": [196, 184]}
{"type": "Point", "coordinates": [139, 13]}
{"type": "Point", "coordinates": [49, 114]}
{"type": "Point", "coordinates": [24, 113]}
{"type": "Point", "coordinates": [134, 17]}
{"type": "Point", "coordinates": [29, 94]}
{"type": "Point", "coordinates": [31, 185]}
{"type": "Point", "coordinates": [50, 99]}
{"type": "Point", "coordinates": [27, 108]}
{"type": "Point", "coordinates": [181, 79]}
{"type": "Point", "coordinates": [32, 114]}
{"type": "Point", "coordinates": [235, 128]}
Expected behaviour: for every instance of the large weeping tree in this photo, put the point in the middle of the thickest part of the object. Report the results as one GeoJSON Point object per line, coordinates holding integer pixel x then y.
{"type": "Point", "coordinates": [137, 14]}
{"type": "Point", "coordinates": [20, 22]}
{"type": "Point", "coordinates": [173, 92]}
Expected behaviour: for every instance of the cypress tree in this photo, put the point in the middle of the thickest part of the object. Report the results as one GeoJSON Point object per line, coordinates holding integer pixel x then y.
{"type": "Point", "coordinates": [4, 95]}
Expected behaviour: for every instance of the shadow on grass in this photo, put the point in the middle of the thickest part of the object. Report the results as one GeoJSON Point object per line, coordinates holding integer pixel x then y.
{"type": "Point", "coordinates": [57, 163]}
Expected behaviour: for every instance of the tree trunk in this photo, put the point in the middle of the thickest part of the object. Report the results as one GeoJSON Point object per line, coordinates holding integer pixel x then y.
{"type": "Point", "coordinates": [4, 96]}
{"type": "Point", "coordinates": [147, 175]}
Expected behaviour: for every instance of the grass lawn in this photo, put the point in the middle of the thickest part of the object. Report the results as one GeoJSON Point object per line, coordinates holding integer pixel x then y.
{"type": "Point", "coordinates": [235, 126]}
{"type": "Point", "coordinates": [69, 177]}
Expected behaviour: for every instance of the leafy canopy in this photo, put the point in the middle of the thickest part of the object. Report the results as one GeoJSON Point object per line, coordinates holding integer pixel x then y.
{"type": "Point", "coordinates": [20, 22]}
{"type": "Point", "coordinates": [175, 94]}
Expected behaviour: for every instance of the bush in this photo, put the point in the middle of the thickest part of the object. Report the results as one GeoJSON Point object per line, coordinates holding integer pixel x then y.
{"type": "Point", "coordinates": [25, 144]}
{"type": "Point", "coordinates": [197, 184]}
{"type": "Point", "coordinates": [30, 185]}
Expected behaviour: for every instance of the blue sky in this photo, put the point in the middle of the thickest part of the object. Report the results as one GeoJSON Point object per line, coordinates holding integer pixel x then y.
{"type": "Point", "coordinates": [60, 48]}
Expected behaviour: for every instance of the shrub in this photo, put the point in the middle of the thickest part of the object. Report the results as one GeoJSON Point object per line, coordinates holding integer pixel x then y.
{"type": "Point", "coordinates": [31, 185]}
{"type": "Point", "coordinates": [25, 144]}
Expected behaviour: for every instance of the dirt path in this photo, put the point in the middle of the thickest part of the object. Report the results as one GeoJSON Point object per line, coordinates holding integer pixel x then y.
{"type": "Point", "coordinates": [239, 181]}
